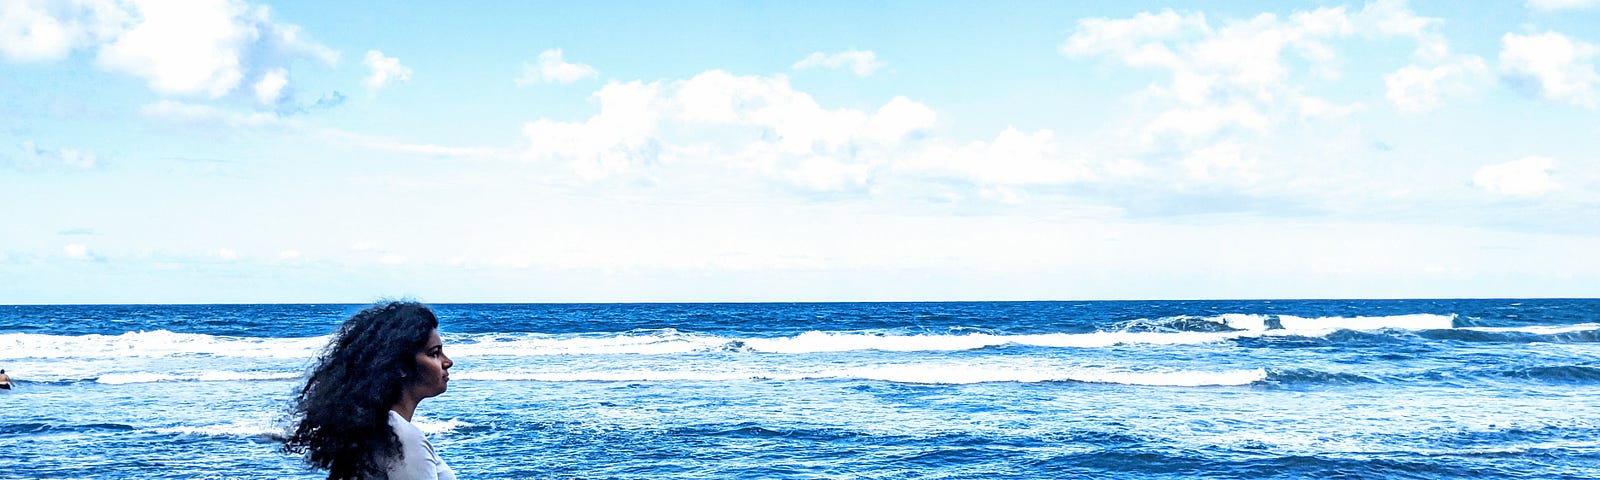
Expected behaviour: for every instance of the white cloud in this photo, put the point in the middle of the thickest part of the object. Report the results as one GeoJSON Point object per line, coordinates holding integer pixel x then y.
{"type": "Point", "coordinates": [224, 254]}
{"type": "Point", "coordinates": [1013, 157]}
{"type": "Point", "coordinates": [1554, 5]}
{"type": "Point", "coordinates": [552, 68]}
{"type": "Point", "coordinates": [1141, 41]}
{"type": "Point", "coordinates": [1227, 161]}
{"type": "Point", "coordinates": [41, 30]}
{"type": "Point", "coordinates": [1436, 75]}
{"type": "Point", "coordinates": [184, 48]}
{"type": "Point", "coordinates": [270, 87]}
{"type": "Point", "coordinates": [824, 173]}
{"type": "Point", "coordinates": [758, 128]}
{"type": "Point", "coordinates": [1232, 87]}
{"type": "Point", "coordinates": [897, 119]}
{"type": "Point", "coordinates": [1238, 73]}
{"type": "Point", "coordinates": [861, 62]}
{"type": "Point", "coordinates": [749, 124]}
{"type": "Point", "coordinates": [796, 122]}
{"type": "Point", "coordinates": [1394, 18]}
{"type": "Point", "coordinates": [205, 48]}
{"type": "Point", "coordinates": [76, 251]}
{"type": "Point", "coordinates": [385, 69]}
{"type": "Point", "coordinates": [1525, 177]}
{"type": "Point", "coordinates": [1563, 69]}
{"type": "Point", "coordinates": [744, 124]}
{"type": "Point", "coordinates": [617, 140]}
{"type": "Point", "coordinates": [1416, 89]}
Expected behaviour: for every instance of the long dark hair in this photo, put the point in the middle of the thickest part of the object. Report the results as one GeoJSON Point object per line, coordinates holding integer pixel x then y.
{"type": "Point", "coordinates": [341, 416]}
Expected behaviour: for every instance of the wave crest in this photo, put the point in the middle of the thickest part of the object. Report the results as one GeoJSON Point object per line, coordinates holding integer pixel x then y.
{"type": "Point", "coordinates": [158, 343]}
{"type": "Point", "coordinates": [1179, 330]}
{"type": "Point", "coordinates": [927, 374]}
{"type": "Point", "coordinates": [209, 376]}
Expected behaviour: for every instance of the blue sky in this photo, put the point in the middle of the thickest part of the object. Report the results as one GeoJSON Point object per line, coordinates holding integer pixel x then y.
{"type": "Point", "coordinates": [229, 151]}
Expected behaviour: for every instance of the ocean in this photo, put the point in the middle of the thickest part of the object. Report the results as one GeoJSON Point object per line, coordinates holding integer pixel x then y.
{"type": "Point", "coordinates": [1021, 390]}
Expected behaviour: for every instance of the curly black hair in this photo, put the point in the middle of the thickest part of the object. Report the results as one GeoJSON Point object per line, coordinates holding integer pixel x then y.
{"type": "Point", "coordinates": [341, 415]}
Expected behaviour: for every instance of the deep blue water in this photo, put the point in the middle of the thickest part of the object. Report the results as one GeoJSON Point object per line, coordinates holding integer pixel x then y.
{"type": "Point", "coordinates": [1159, 389]}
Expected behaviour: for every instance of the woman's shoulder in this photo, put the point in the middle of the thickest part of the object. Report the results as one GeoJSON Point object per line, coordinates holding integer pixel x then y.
{"type": "Point", "coordinates": [403, 428]}
{"type": "Point", "coordinates": [395, 419]}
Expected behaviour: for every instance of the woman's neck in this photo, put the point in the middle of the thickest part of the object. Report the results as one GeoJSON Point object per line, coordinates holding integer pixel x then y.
{"type": "Point", "coordinates": [405, 407]}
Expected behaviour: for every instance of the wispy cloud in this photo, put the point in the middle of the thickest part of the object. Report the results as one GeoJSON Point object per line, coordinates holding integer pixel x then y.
{"type": "Point", "coordinates": [552, 68]}
{"type": "Point", "coordinates": [391, 145]}
{"type": "Point", "coordinates": [33, 157]}
{"type": "Point", "coordinates": [861, 62]}
{"type": "Point", "coordinates": [1558, 5]}
{"type": "Point", "coordinates": [217, 121]}
{"type": "Point", "coordinates": [212, 117]}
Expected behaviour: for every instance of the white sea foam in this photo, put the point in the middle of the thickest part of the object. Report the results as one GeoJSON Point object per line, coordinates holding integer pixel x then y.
{"type": "Point", "coordinates": [1242, 321]}
{"type": "Point", "coordinates": [1177, 378]}
{"type": "Point", "coordinates": [162, 343]}
{"type": "Point", "coordinates": [665, 342]}
{"type": "Point", "coordinates": [235, 429]}
{"type": "Point", "coordinates": [624, 376]}
{"type": "Point", "coordinates": [1539, 329]}
{"type": "Point", "coordinates": [1243, 325]}
{"type": "Point", "coordinates": [940, 374]}
{"type": "Point", "coordinates": [948, 375]}
{"type": "Point", "coordinates": [1419, 321]}
{"type": "Point", "coordinates": [158, 343]}
{"type": "Point", "coordinates": [437, 427]}
{"type": "Point", "coordinates": [820, 342]}
{"type": "Point", "coordinates": [138, 377]}
{"type": "Point", "coordinates": [207, 376]}
{"type": "Point", "coordinates": [823, 342]}
{"type": "Point", "coordinates": [1295, 325]}
{"type": "Point", "coordinates": [1107, 339]}
{"type": "Point", "coordinates": [259, 427]}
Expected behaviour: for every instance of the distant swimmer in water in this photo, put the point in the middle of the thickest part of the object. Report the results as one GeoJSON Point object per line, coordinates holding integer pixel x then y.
{"type": "Point", "coordinates": [353, 417]}
{"type": "Point", "coordinates": [5, 380]}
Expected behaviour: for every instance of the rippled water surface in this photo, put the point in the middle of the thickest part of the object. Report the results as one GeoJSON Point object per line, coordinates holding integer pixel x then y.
{"type": "Point", "coordinates": [1214, 389]}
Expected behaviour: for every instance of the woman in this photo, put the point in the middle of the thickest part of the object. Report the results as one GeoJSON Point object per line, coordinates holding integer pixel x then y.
{"type": "Point", "coordinates": [353, 417]}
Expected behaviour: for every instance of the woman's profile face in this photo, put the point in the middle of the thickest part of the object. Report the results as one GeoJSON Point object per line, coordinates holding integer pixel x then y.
{"type": "Point", "coordinates": [432, 368]}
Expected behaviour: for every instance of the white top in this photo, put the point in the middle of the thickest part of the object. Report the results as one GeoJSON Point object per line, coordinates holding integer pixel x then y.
{"type": "Point", "coordinates": [419, 462]}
